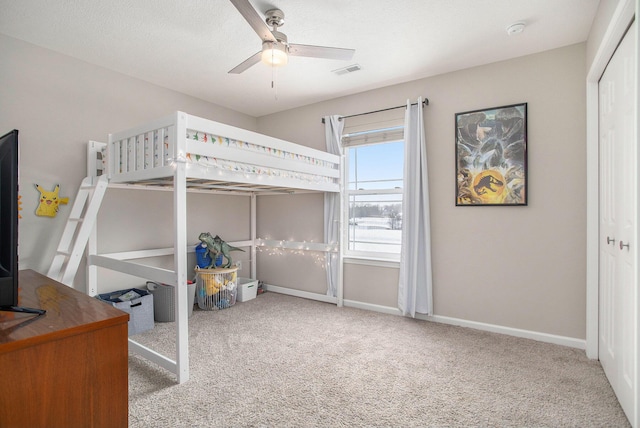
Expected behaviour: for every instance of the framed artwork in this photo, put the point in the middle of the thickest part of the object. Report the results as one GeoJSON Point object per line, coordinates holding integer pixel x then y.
{"type": "Point", "coordinates": [491, 156]}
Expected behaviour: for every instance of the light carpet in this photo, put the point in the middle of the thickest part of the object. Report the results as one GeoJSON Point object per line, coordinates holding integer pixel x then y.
{"type": "Point", "coordinates": [282, 361]}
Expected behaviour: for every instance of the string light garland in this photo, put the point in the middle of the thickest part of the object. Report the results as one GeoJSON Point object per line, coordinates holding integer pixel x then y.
{"type": "Point", "coordinates": [318, 251]}
{"type": "Point", "coordinates": [249, 169]}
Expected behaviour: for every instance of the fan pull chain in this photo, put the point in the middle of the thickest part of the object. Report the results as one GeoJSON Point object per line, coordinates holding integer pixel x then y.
{"type": "Point", "coordinates": [274, 78]}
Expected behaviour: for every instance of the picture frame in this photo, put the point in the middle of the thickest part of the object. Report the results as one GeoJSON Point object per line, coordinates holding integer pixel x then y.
{"type": "Point", "coordinates": [491, 156]}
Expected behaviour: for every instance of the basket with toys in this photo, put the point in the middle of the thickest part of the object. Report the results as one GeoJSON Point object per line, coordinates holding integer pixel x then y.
{"type": "Point", "coordinates": [216, 288]}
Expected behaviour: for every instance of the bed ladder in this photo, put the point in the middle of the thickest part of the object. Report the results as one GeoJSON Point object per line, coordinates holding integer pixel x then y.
{"type": "Point", "coordinates": [74, 239]}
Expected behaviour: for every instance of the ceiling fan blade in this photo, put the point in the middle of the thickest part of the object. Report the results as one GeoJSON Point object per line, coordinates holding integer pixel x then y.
{"type": "Point", "coordinates": [252, 60]}
{"type": "Point", "coordinates": [321, 52]}
{"type": "Point", "coordinates": [254, 19]}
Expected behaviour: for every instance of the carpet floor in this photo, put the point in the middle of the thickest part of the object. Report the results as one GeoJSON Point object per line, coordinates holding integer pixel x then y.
{"type": "Point", "coordinates": [282, 361]}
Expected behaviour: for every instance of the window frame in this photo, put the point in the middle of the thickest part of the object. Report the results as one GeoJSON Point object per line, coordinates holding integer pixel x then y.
{"type": "Point", "coordinates": [347, 194]}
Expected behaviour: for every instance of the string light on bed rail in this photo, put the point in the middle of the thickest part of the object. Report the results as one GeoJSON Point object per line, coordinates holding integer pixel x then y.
{"type": "Point", "coordinates": [181, 158]}
{"type": "Point", "coordinates": [249, 170]}
{"type": "Point", "coordinates": [318, 253]}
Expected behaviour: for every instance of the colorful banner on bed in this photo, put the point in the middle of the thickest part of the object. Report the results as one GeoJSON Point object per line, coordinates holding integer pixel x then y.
{"type": "Point", "coordinates": [246, 168]}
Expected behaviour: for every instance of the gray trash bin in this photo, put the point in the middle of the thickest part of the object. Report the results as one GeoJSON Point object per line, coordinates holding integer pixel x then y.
{"type": "Point", "coordinates": [164, 300]}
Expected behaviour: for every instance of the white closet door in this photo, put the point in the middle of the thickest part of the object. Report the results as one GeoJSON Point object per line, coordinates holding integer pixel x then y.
{"type": "Point", "coordinates": [618, 218]}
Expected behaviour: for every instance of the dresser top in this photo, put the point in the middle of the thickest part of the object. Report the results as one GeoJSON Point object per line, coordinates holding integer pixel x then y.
{"type": "Point", "coordinates": [69, 312]}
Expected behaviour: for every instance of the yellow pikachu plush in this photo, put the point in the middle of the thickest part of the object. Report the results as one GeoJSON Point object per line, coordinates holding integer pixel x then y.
{"type": "Point", "coordinates": [49, 202]}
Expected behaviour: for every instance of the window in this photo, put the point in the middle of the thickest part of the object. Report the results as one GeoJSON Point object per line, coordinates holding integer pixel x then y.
{"type": "Point", "coordinates": [373, 193]}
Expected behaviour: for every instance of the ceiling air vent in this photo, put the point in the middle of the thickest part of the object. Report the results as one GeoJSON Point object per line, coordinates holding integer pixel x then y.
{"type": "Point", "coordinates": [348, 69]}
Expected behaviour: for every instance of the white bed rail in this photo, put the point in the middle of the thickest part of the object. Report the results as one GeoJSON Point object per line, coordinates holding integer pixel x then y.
{"type": "Point", "coordinates": [218, 152]}
{"type": "Point", "coordinates": [96, 159]}
{"type": "Point", "coordinates": [143, 152]}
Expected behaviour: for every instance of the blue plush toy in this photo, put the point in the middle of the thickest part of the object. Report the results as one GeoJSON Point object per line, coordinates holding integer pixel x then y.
{"type": "Point", "coordinates": [223, 304]}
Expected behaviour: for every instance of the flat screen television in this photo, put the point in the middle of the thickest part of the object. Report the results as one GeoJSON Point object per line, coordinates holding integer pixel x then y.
{"type": "Point", "coordinates": [9, 225]}
{"type": "Point", "coordinates": [9, 219]}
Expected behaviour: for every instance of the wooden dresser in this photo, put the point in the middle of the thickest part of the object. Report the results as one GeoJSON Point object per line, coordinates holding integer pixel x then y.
{"type": "Point", "coordinates": [67, 368]}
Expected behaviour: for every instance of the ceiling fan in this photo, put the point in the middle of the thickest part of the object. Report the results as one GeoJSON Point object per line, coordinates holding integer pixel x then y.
{"type": "Point", "coordinates": [275, 47]}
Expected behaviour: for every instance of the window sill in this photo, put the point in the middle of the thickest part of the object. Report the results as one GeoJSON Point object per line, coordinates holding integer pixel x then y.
{"type": "Point", "coordinates": [372, 261]}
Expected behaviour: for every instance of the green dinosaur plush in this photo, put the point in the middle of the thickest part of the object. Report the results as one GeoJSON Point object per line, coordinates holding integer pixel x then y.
{"type": "Point", "coordinates": [216, 246]}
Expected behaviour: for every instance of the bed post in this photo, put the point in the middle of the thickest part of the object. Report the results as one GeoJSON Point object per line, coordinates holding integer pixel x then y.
{"type": "Point", "coordinates": [341, 240]}
{"type": "Point", "coordinates": [253, 235]}
{"type": "Point", "coordinates": [180, 248]}
{"type": "Point", "coordinates": [93, 148]}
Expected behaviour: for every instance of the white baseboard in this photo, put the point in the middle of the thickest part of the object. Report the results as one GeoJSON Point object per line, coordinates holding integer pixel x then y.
{"type": "Point", "coordinates": [526, 334]}
{"type": "Point", "coordinates": [371, 307]}
{"type": "Point", "coordinates": [300, 293]}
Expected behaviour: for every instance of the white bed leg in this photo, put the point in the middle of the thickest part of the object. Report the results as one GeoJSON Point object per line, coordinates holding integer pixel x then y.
{"type": "Point", "coordinates": [253, 236]}
{"type": "Point", "coordinates": [92, 270]}
{"type": "Point", "coordinates": [341, 240]}
{"type": "Point", "coordinates": [180, 256]}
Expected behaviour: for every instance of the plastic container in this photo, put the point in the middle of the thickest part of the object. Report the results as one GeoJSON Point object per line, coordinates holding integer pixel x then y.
{"type": "Point", "coordinates": [216, 288]}
{"type": "Point", "coordinates": [164, 300]}
{"type": "Point", "coordinates": [247, 289]}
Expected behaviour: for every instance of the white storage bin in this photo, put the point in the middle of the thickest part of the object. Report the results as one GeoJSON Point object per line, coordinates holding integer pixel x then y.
{"type": "Point", "coordinates": [247, 289]}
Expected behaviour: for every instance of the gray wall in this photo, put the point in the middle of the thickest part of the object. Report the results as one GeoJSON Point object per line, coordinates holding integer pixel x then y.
{"type": "Point", "coordinates": [58, 104]}
{"type": "Point", "coordinates": [606, 9]}
{"type": "Point", "coordinates": [520, 267]}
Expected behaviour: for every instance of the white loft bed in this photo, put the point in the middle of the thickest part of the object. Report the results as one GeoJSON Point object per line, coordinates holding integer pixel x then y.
{"type": "Point", "coordinates": [187, 153]}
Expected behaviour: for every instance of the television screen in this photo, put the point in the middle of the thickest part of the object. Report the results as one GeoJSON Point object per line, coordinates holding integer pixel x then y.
{"type": "Point", "coordinates": [9, 219]}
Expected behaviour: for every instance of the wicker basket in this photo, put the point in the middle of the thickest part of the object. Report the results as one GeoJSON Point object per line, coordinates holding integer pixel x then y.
{"type": "Point", "coordinates": [216, 288]}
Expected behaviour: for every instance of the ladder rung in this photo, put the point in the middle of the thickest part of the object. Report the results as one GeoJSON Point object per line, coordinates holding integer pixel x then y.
{"type": "Point", "coordinates": [65, 263]}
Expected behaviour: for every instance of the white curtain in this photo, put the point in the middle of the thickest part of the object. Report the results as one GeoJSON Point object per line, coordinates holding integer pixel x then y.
{"type": "Point", "coordinates": [415, 283]}
{"type": "Point", "coordinates": [333, 134]}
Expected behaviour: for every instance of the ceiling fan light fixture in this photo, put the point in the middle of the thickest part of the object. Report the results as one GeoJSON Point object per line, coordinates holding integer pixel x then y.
{"type": "Point", "coordinates": [274, 54]}
{"type": "Point", "coordinates": [275, 47]}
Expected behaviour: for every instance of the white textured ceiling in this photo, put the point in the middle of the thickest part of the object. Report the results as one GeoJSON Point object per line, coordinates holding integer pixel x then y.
{"type": "Point", "coordinates": [190, 45]}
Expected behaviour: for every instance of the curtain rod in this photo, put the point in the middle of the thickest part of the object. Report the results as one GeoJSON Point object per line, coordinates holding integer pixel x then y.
{"type": "Point", "coordinates": [425, 103]}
